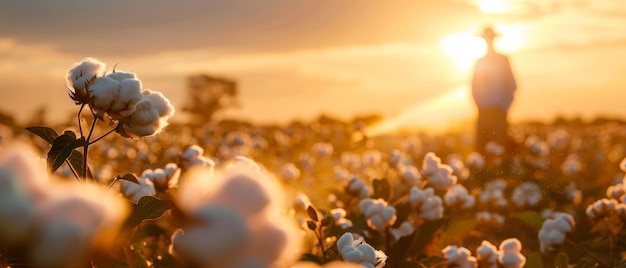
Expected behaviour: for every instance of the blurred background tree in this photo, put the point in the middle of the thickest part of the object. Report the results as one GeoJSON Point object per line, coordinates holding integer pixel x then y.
{"type": "Point", "coordinates": [208, 95]}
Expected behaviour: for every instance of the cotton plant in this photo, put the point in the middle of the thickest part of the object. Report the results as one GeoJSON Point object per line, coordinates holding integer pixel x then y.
{"type": "Point", "coordinates": [354, 249]}
{"type": "Point", "coordinates": [135, 191]}
{"type": "Point", "coordinates": [458, 196]}
{"type": "Point", "coordinates": [410, 175]}
{"type": "Point", "coordinates": [527, 194]}
{"type": "Point", "coordinates": [289, 171]}
{"type": "Point", "coordinates": [510, 255]}
{"type": "Point", "coordinates": [487, 255]}
{"type": "Point", "coordinates": [371, 158]}
{"type": "Point", "coordinates": [572, 166]}
{"type": "Point", "coordinates": [356, 187]}
{"type": "Point", "coordinates": [339, 218]}
{"type": "Point", "coordinates": [554, 231]}
{"type": "Point", "coordinates": [428, 205]}
{"type": "Point", "coordinates": [378, 214]}
{"type": "Point", "coordinates": [437, 174]}
{"type": "Point", "coordinates": [475, 160]}
{"type": "Point", "coordinates": [459, 257]}
{"type": "Point", "coordinates": [323, 149]}
{"type": "Point", "coordinates": [193, 156]}
{"type": "Point", "coordinates": [493, 194]}
{"type": "Point", "coordinates": [600, 209]}
{"type": "Point", "coordinates": [490, 218]}
{"type": "Point", "coordinates": [404, 229]}
{"type": "Point", "coordinates": [236, 219]}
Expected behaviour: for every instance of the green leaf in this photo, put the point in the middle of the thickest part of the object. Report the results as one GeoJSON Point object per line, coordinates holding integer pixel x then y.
{"type": "Point", "coordinates": [423, 235]}
{"type": "Point", "coordinates": [148, 208]}
{"type": "Point", "coordinates": [46, 133]}
{"type": "Point", "coordinates": [61, 149]}
{"type": "Point", "coordinates": [128, 177]}
{"type": "Point", "coordinates": [312, 213]}
{"type": "Point", "coordinates": [381, 189]}
{"type": "Point", "coordinates": [76, 162]}
{"type": "Point", "coordinates": [531, 219]}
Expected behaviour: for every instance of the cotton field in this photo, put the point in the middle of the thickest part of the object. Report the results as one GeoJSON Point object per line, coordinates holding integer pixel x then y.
{"type": "Point", "coordinates": [124, 187]}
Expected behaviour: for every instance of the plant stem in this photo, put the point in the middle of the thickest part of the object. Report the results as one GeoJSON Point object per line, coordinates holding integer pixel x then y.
{"type": "Point", "coordinates": [319, 240]}
{"type": "Point", "coordinates": [86, 147]}
{"type": "Point", "coordinates": [387, 238]}
{"type": "Point", "coordinates": [103, 135]}
{"type": "Point", "coordinates": [611, 240]}
{"type": "Point", "coordinates": [80, 126]}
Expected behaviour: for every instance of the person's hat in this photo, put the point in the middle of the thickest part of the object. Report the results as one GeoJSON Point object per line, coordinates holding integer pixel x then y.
{"type": "Point", "coordinates": [488, 33]}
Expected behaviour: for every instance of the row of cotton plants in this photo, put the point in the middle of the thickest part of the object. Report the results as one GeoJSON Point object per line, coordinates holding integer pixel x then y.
{"type": "Point", "coordinates": [301, 195]}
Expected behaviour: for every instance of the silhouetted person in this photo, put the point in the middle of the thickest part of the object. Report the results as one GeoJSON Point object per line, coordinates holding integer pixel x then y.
{"type": "Point", "coordinates": [493, 86]}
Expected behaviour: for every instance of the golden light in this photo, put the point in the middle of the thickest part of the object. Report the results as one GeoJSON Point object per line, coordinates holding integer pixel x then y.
{"type": "Point", "coordinates": [464, 49]}
{"type": "Point", "coordinates": [493, 6]}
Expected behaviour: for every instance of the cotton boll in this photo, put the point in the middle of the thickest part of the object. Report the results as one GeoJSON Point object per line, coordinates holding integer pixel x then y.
{"type": "Point", "coordinates": [410, 175]}
{"type": "Point", "coordinates": [322, 149]}
{"type": "Point", "coordinates": [487, 255]}
{"type": "Point", "coordinates": [17, 210]}
{"type": "Point", "coordinates": [600, 209]}
{"type": "Point", "coordinates": [289, 171]}
{"type": "Point", "coordinates": [459, 257]}
{"type": "Point", "coordinates": [216, 240]}
{"type": "Point", "coordinates": [134, 191]}
{"type": "Point", "coordinates": [357, 187]}
{"type": "Point", "coordinates": [377, 213]}
{"type": "Point", "coordinates": [355, 250]}
{"type": "Point", "coordinates": [161, 103]}
{"type": "Point", "coordinates": [254, 195]}
{"type": "Point", "coordinates": [120, 76]}
{"type": "Point", "coordinates": [510, 255]}
{"type": "Point", "coordinates": [371, 158]}
{"type": "Point", "coordinates": [405, 229]}
{"type": "Point", "coordinates": [82, 72]}
{"type": "Point", "coordinates": [74, 223]}
{"type": "Point", "coordinates": [22, 179]}
{"type": "Point", "coordinates": [527, 194]}
{"type": "Point", "coordinates": [475, 160]}
{"type": "Point", "coordinates": [129, 96]}
{"type": "Point", "coordinates": [104, 91]}
{"type": "Point", "coordinates": [458, 196]}
{"type": "Point", "coordinates": [339, 215]}
{"type": "Point", "coordinates": [145, 113]}
{"type": "Point", "coordinates": [429, 206]}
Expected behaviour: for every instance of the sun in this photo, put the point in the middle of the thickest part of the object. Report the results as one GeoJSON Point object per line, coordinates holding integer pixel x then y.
{"type": "Point", "coordinates": [464, 49]}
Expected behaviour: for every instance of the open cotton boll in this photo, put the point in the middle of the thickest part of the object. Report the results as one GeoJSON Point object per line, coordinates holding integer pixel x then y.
{"type": "Point", "coordinates": [459, 257]}
{"type": "Point", "coordinates": [256, 197]}
{"type": "Point", "coordinates": [289, 171]}
{"type": "Point", "coordinates": [134, 191]}
{"type": "Point", "coordinates": [83, 71]}
{"type": "Point", "coordinates": [128, 97]}
{"type": "Point", "coordinates": [104, 92]}
{"type": "Point", "coordinates": [121, 75]}
{"type": "Point", "coordinates": [410, 175]}
{"type": "Point", "coordinates": [74, 223]}
{"type": "Point", "coordinates": [600, 209]}
{"type": "Point", "coordinates": [355, 250]}
{"type": "Point", "coordinates": [429, 206]}
{"type": "Point", "coordinates": [526, 194]}
{"type": "Point", "coordinates": [161, 103]}
{"type": "Point", "coordinates": [405, 229]}
{"type": "Point", "coordinates": [458, 196]}
{"type": "Point", "coordinates": [378, 214]}
{"type": "Point", "coordinates": [22, 179]}
{"type": "Point", "coordinates": [143, 122]}
{"type": "Point", "coordinates": [217, 239]}
{"type": "Point", "coordinates": [509, 254]}
{"type": "Point", "coordinates": [339, 215]}
{"type": "Point", "coordinates": [487, 255]}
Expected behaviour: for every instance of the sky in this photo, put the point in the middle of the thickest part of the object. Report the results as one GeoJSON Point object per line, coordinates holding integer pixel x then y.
{"type": "Point", "coordinates": [407, 60]}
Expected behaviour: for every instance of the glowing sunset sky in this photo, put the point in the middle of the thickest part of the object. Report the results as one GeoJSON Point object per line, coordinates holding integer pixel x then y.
{"type": "Point", "coordinates": [296, 59]}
